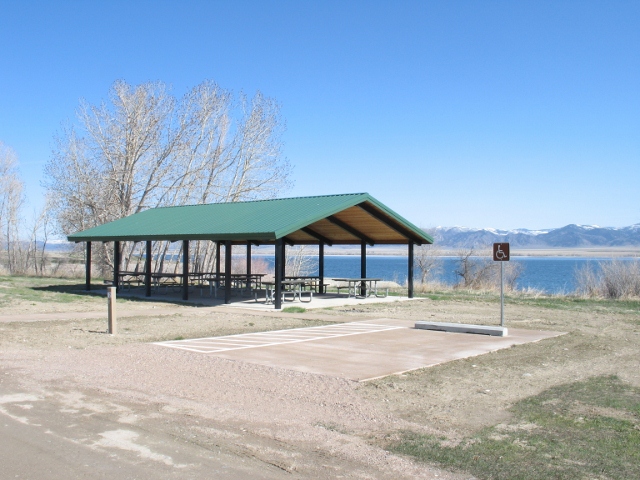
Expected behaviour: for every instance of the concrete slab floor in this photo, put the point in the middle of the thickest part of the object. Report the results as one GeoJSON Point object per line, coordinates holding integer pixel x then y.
{"type": "Point", "coordinates": [319, 300]}
{"type": "Point", "coordinates": [378, 353]}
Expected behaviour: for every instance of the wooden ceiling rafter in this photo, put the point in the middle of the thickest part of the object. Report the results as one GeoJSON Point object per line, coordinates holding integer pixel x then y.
{"type": "Point", "coordinates": [348, 228]}
{"type": "Point", "coordinates": [317, 236]}
{"type": "Point", "coordinates": [288, 241]}
{"type": "Point", "coordinates": [390, 223]}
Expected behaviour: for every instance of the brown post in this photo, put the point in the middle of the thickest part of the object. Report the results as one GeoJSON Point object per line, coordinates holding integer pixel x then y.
{"type": "Point", "coordinates": [112, 327]}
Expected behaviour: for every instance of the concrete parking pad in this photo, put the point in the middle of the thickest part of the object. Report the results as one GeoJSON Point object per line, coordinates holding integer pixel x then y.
{"type": "Point", "coordinates": [276, 337]}
{"type": "Point", "coordinates": [357, 350]}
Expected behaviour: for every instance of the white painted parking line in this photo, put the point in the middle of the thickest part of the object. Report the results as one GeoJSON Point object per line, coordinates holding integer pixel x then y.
{"type": "Point", "coordinates": [277, 337]}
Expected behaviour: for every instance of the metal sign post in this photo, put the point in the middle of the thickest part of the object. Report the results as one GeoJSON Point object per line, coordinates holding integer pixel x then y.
{"type": "Point", "coordinates": [501, 254]}
{"type": "Point", "coordinates": [501, 294]}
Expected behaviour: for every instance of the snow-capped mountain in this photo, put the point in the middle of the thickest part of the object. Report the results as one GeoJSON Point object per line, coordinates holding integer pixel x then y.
{"type": "Point", "coordinates": [565, 237]}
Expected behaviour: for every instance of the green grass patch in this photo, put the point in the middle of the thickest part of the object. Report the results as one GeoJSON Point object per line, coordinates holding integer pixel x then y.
{"type": "Point", "coordinates": [41, 290]}
{"type": "Point", "coordinates": [294, 310]}
{"type": "Point", "coordinates": [588, 429]}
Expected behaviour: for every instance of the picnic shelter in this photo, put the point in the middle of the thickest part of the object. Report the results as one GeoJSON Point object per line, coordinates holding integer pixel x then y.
{"type": "Point", "coordinates": [346, 219]}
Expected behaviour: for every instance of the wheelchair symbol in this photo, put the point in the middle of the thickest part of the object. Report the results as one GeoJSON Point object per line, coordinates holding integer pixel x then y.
{"type": "Point", "coordinates": [501, 252]}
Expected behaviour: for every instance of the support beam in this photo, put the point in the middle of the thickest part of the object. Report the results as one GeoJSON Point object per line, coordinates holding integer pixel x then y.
{"type": "Point", "coordinates": [350, 229]}
{"type": "Point", "coordinates": [410, 272]}
{"type": "Point", "coordinates": [317, 236]}
{"type": "Point", "coordinates": [147, 270]}
{"type": "Point", "coordinates": [116, 263]}
{"type": "Point", "coordinates": [363, 267]}
{"type": "Point", "coordinates": [288, 241]}
{"type": "Point", "coordinates": [279, 264]}
{"type": "Point", "coordinates": [248, 258]}
{"type": "Point", "coordinates": [249, 266]}
{"type": "Point", "coordinates": [391, 223]}
{"type": "Point", "coordinates": [87, 267]}
{"type": "Point", "coordinates": [185, 270]}
{"type": "Point", "coordinates": [227, 272]}
{"type": "Point", "coordinates": [321, 267]}
{"type": "Point", "coordinates": [217, 265]}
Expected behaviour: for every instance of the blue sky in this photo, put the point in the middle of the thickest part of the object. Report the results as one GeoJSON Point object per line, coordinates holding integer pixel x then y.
{"type": "Point", "coordinates": [502, 114]}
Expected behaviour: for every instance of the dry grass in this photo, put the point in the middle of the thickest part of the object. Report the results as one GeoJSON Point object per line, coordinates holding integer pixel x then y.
{"type": "Point", "coordinates": [615, 279]}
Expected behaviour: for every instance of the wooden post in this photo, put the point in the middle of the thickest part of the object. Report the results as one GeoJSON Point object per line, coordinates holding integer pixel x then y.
{"type": "Point", "coordinates": [112, 327]}
{"type": "Point", "coordinates": [88, 268]}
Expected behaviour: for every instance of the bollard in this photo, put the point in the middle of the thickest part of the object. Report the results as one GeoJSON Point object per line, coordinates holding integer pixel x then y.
{"type": "Point", "coordinates": [111, 299]}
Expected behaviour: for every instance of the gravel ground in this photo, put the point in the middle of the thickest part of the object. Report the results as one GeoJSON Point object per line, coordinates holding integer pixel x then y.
{"type": "Point", "coordinates": [282, 423]}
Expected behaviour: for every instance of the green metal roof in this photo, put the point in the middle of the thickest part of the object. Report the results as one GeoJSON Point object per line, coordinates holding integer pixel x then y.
{"type": "Point", "coordinates": [299, 220]}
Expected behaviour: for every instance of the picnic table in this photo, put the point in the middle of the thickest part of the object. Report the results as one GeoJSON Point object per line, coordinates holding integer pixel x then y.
{"type": "Point", "coordinates": [167, 279]}
{"type": "Point", "coordinates": [126, 279]}
{"type": "Point", "coordinates": [289, 287]}
{"type": "Point", "coordinates": [310, 281]}
{"type": "Point", "coordinates": [240, 282]}
{"type": "Point", "coordinates": [369, 284]}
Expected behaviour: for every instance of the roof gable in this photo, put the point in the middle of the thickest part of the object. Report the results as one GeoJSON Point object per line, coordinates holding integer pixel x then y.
{"type": "Point", "coordinates": [300, 220]}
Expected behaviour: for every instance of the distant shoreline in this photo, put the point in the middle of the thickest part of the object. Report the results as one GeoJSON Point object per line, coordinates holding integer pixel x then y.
{"type": "Point", "coordinates": [604, 252]}
{"type": "Point", "coordinates": [578, 252]}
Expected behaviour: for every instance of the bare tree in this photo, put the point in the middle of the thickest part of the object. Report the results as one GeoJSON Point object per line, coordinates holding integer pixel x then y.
{"type": "Point", "coordinates": [11, 203]}
{"type": "Point", "coordinates": [477, 271]}
{"type": "Point", "coordinates": [299, 261]}
{"type": "Point", "coordinates": [428, 259]}
{"type": "Point", "coordinates": [473, 269]}
{"type": "Point", "coordinates": [39, 237]}
{"type": "Point", "coordinates": [145, 149]}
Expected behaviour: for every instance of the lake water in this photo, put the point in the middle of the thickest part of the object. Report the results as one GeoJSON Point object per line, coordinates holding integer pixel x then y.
{"type": "Point", "coordinates": [548, 274]}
